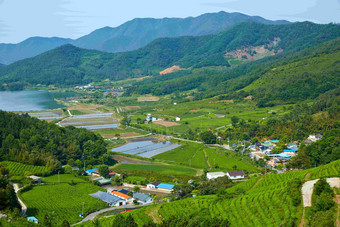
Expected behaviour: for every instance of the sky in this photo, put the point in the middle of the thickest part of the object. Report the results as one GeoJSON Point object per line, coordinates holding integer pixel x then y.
{"type": "Point", "coordinates": [21, 19]}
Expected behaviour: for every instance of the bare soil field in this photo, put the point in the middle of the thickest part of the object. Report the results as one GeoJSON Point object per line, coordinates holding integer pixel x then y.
{"type": "Point", "coordinates": [148, 99]}
{"type": "Point", "coordinates": [166, 123]}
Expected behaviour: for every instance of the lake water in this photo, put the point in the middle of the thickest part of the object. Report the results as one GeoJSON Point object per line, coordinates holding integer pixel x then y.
{"type": "Point", "coordinates": [27, 101]}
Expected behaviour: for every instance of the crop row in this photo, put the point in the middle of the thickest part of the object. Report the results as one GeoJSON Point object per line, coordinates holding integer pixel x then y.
{"type": "Point", "coordinates": [20, 169]}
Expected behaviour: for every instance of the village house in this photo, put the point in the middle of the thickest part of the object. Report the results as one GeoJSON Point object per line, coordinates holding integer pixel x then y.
{"type": "Point", "coordinates": [213, 175]}
{"type": "Point", "coordinates": [126, 198]}
{"type": "Point", "coordinates": [159, 185]}
{"type": "Point", "coordinates": [234, 175]}
{"type": "Point", "coordinates": [142, 198]}
{"type": "Point", "coordinates": [153, 184]}
{"type": "Point", "coordinates": [109, 198]}
{"type": "Point", "coordinates": [177, 118]}
{"type": "Point", "coordinates": [314, 138]}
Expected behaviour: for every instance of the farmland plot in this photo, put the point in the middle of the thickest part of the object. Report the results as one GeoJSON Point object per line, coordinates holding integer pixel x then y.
{"type": "Point", "coordinates": [98, 121]}
{"type": "Point", "coordinates": [146, 149]}
{"type": "Point", "coordinates": [64, 199]}
{"type": "Point", "coordinates": [46, 115]}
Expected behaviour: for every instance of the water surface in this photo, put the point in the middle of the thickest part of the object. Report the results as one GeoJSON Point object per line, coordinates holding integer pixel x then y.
{"type": "Point", "coordinates": [27, 101]}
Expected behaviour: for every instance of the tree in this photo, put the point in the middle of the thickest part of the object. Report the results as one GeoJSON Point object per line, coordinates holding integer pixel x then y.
{"type": "Point", "coordinates": [103, 170]}
{"type": "Point", "coordinates": [234, 120]}
{"type": "Point", "coordinates": [208, 137]}
{"type": "Point", "coordinates": [136, 189]}
{"type": "Point", "coordinates": [235, 167]}
{"type": "Point", "coordinates": [65, 224]}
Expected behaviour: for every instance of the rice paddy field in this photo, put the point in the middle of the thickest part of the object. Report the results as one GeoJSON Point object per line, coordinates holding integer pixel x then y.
{"type": "Point", "coordinates": [204, 114]}
{"type": "Point", "coordinates": [160, 169]}
{"type": "Point", "coordinates": [199, 156]}
{"type": "Point", "coordinates": [146, 149]}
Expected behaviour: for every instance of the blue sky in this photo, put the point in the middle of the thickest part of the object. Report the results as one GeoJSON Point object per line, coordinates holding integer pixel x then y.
{"type": "Point", "coordinates": [20, 19]}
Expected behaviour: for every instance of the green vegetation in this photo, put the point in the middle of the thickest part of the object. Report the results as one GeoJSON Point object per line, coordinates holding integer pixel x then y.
{"type": "Point", "coordinates": [64, 178]}
{"type": "Point", "coordinates": [270, 200]}
{"type": "Point", "coordinates": [8, 199]}
{"type": "Point", "coordinates": [76, 112]}
{"type": "Point", "coordinates": [199, 156]}
{"type": "Point", "coordinates": [160, 169]}
{"type": "Point", "coordinates": [31, 141]}
{"type": "Point", "coordinates": [19, 169]}
{"type": "Point", "coordinates": [69, 65]}
{"type": "Point", "coordinates": [323, 211]}
{"type": "Point", "coordinates": [63, 199]}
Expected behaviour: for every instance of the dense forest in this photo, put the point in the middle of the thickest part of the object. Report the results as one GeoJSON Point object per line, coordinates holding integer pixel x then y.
{"type": "Point", "coordinates": [279, 79]}
{"type": "Point", "coordinates": [28, 140]}
{"type": "Point", "coordinates": [69, 65]}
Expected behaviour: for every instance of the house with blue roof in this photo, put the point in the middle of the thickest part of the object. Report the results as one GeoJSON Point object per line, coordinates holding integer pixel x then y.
{"type": "Point", "coordinates": [166, 186]}
{"type": "Point", "coordinates": [90, 171]}
{"type": "Point", "coordinates": [32, 219]}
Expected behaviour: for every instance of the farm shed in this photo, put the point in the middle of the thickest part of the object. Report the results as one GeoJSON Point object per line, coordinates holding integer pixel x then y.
{"type": "Point", "coordinates": [142, 198]}
{"type": "Point", "coordinates": [32, 219]}
{"type": "Point", "coordinates": [236, 175]}
{"type": "Point", "coordinates": [108, 198]}
{"type": "Point", "coordinates": [103, 181]}
{"type": "Point", "coordinates": [214, 175]}
{"type": "Point", "coordinates": [166, 186]}
{"type": "Point", "coordinates": [35, 179]}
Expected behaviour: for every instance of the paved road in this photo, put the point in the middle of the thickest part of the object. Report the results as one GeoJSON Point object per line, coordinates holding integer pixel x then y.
{"type": "Point", "coordinates": [94, 214]}
{"type": "Point", "coordinates": [23, 206]}
{"type": "Point", "coordinates": [307, 189]}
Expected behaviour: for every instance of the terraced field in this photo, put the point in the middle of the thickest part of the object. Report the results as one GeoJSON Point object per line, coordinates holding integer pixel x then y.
{"type": "Point", "coordinates": [265, 201]}
{"type": "Point", "coordinates": [19, 169]}
{"type": "Point", "coordinates": [64, 199]}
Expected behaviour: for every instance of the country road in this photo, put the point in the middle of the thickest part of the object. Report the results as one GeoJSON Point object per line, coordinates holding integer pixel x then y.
{"type": "Point", "coordinates": [91, 216]}
{"type": "Point", "coordinates": [307, 189]}
{"type": "Point", "coordinates": [23, 206]}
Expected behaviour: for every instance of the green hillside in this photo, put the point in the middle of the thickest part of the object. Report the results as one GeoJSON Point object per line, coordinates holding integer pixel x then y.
{"type": "Point", "coordinates": [68, 65]}
{"type": "Point", "coordinates": [270, 200]}
{"type": "Point", "coordinates": [292, 77]}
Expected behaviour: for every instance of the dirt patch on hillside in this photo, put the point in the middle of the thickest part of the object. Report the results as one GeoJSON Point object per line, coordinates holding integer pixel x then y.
{"type": "Point", "coordinates": [172, 69]}
{"type": "Point", "coordinates": [148, 99]}
{"type": "Point", "coordinates": [128, 134]}
{"type": "Point", "coordinates": [131, 107]}
{"type": "Point", "coordinates": [166, 123]}
{"type": "Point", "coordinates": [84, 106]}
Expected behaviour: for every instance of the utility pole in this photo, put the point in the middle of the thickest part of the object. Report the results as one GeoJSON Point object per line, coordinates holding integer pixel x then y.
{"type": "Point", "coordinates": [84, 165]}
{"type": "Point", "coordinates": [82, 213]}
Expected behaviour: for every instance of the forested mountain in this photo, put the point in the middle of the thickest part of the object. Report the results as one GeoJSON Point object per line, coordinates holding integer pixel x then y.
{"type": "Point", "coordinates": [28, 48]}
{"type": "Point", "coordinates": [68, 65]}
{"type": "Point", "coordinates": [130, 35]}
{"type": "Point", "coordinates": [28, 140]}
{"type": "Point", "coordinates": [141, 31]}
{"type": "Point", "coordinates": [285, 78]}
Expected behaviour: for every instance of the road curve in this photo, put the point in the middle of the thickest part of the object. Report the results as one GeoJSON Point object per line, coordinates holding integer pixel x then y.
{"type": "Point", "coordinates": [23, 206]}
{"type": "Point", "coordinates": [307, 189]}
{"type": "Point", "coordinates": [91, 216]}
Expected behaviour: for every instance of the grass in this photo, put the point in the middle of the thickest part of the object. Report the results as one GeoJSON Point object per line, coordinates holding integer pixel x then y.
{"type": "Point", "coordinates": [64, 178]}
{"type": "Point", "coordinates": [193, 154]}
{"type": "Point", "coordinates": [64, 199]}
{"type": "Point", "coordinates": [190, 154]}
{"type": "Point", "coordinates": [160, 169]}
{"type": "Point", "coordinates": [120, 131]}
{"type": "Point", "coordinates": [19, 169]}
{"type": "Point", "coordinates": [76, 112]}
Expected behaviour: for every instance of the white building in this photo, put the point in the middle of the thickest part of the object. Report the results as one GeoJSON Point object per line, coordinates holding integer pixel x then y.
{"type": "Point", "coordinates": [236, 175]}
{"type": "Point", "coordinates": [314, 137]}
{"type": "Point", "coordinates": [153, 185]}
{"type": "Point", "coordinates": [213, 175]}
{"type": "Point", "coordinates": [177, 118]}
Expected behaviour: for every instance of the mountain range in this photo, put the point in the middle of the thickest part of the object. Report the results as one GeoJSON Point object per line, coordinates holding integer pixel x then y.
{"type": "Point", "coordinates": [131, 35]}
